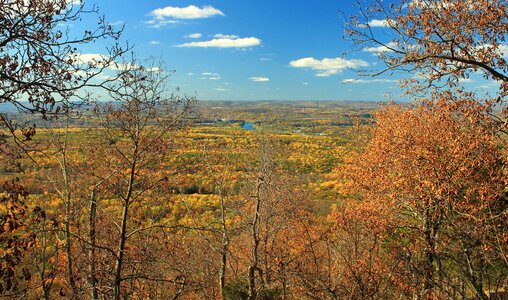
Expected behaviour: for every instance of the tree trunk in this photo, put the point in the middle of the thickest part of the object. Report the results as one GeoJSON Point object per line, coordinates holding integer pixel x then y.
{"type": "Point", "coordinates": [67, 196]}
{"type": "Point", "coordinates": [224, 250]}
{"type": "Point", "coordinates": [255, 239]}
{"type": "Point", "coordinates": [91, 251]}
{"type": "Point", "coordinates": [68, 242]}
{"type": "Point", "coordinates": [429, 254]}
{"type": "Point", "coordinates": [123, 228]}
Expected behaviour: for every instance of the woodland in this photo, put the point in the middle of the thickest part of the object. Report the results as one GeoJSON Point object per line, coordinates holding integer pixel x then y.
{"type": "Point", "coordinates": [155, 195]}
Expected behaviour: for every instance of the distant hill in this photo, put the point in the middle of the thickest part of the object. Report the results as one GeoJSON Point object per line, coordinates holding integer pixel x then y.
{"type": "Point", "coordinates": [7, 108]}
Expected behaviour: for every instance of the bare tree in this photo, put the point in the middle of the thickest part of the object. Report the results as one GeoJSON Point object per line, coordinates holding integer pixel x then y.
{"type": "Point", "coordinates": [40, 62]}
{"type": "Point", "coordinates": [42, 71]}
{"type": "Point", "coordinates": [138, 124]}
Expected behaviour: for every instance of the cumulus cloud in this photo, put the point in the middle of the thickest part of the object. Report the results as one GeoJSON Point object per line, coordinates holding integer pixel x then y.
{"type": "Point", "coordinates": [376, 80]}
{"type": "Point", "coordinates": [193, 36]}
{"type": "Point", "coordinates": [439, 4]}
{"type": "Point", "coordinates": [160, 23]}
{"type": "Point", "coordinates": [225, 36]}
{"type": "Point", "coordinates": [117, 23]}
{"type": "Point", "coordinates": [382, 48]}
{"type": "Point", "coordinates": [154, 42]}
{"type": "Point", "coordinates": [88, 57]}
{"type": "Point", "coordinates": [259, 79]}
{"type": "Point", "coordinates": [224, 43]}
{"type": "Point", "coordinates": [189, 12]}
{"type": "Point", "coordinates": [171, 14]}
{"type": "Point", "coordinates": [210, 76]}
{"type": "Point", "coordinates": [502, 49]}
{"type": "Point", "coordinates": [328, 66]}
{"type": "Point", "coordinates": [99, 61]}
{"type": "Point", "coordinates": [378, 23]}
{"type": "Point", "coordinates": [154, 69]}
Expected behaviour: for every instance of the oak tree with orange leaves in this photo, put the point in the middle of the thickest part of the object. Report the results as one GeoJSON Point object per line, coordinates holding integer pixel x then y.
{"type": "Point", "coordinates": [440, 166]}
{"type": "Point", "coordinates": [442, 40]}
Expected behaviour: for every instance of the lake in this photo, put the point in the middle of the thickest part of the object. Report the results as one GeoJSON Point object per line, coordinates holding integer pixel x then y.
{"type": "Point", "coordinates": [248, 126]}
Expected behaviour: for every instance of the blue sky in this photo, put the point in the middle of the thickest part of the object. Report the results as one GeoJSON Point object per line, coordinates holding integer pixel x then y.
{"type": "Point", "coordinates": [251, 50]}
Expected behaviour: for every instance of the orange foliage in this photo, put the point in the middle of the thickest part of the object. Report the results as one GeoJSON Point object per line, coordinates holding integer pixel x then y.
{"type": "Point", "coordinates": [440, 168]}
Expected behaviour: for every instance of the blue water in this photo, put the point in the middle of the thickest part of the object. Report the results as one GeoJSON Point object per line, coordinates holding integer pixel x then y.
{"type": "Point", "coordinates": [248, 126]}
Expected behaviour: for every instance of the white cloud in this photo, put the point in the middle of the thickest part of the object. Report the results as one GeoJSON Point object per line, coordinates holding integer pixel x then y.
{"type": "Point", "coordinates": [224, 43]}
{"type": "Point", "coordinates": [376, 80]}
{"type": "Point", "coordinates": [117, 23]}
{"type": "Point", "coordinates": [154, 69]}
{"type": "Point", "coordinates": [91, 58]}
{"type": "Point", "coordinates": [382, 48]}
{"type": "Point", "coordinates": [189, 12]}
{"type": "Point", "coordinates": [305, 83]}
{"type": "Point", "coordinates": [160, 23]}
{"type": "Point", "coordinates": [73, 2]}
{"type": "Point", "coordinates": [259, 79]}
{"type": "Point", "coordinates": [193, 36]}
{"type": "Point", "coordinates": [225, 36]}
{"type": "Point", "coordinates": [210, 76]}
{"type": "Point", "coordinates": [171, 14]}
{"type": "Point", "coordinates": [154, 42]}
{"type": "Point", "coordinates": [378, 23]}
{"type": "Point", "coordinates": [100, 60]}
{"type": "Point", "coordinates": [221, 89]}
{"type": "Point", "coordinates": [81, 73]}
{"type": "Point", "coordinates": [504, 50]}
{"type": "Point", "coordinates": [420, 4]}
{"type": "Point", "coordinates": [190, 74]}
{"type": "Point", "coordinates": [265, 59]}
{"type": "Point", "coordinates": [328, 66]}
{"type": "Point", "coordinates": [123, 67]}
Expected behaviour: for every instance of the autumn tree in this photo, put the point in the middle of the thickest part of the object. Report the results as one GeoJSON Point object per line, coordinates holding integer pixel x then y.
{"type": "Point", "coordinates": [439, 166]}
{"type": "Point", "coordinates": [15, 239]}
{"type": "Point", "coordinates": [440, 163]}
{"type": "Point", "coordinates": [42, 72]}
{"type": "Point", "coordinates": [281, 225]}
{"type": "Point", "coordinates": [136, 128]}
{"type": "Point", "coordinates": [443, 40]}
{"type": "Point", "coordinates": [41, 67]}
